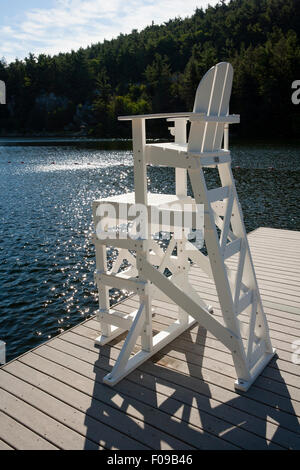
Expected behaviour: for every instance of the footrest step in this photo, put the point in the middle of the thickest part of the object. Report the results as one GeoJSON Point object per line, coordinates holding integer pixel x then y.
{"type": "Point", "coordinates": [116, 318]}
{"type": "Point", "coordinates": [121, 281]}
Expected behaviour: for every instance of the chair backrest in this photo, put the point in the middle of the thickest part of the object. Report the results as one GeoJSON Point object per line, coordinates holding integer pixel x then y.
{"type": "Point", "coordinates": [212, 98]}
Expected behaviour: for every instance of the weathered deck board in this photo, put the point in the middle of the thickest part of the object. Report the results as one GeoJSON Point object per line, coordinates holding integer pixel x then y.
{"type": "Point", "coordinates": [184, 398]}
{"type": "Point", "coordinates": [21, 437]}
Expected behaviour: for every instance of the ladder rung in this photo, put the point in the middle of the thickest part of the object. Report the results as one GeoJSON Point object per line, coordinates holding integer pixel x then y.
{"type": "Point", "coordinates": [245, 301]}
{"type": "Point", "coordinates": [213, 161]}
{"type": "Point", "coordinates": [232, 248]}
{"type": "Point", "coordinates": [121, 281]}
{"type": "Point", "coordinates": [170, 157]}
{"type": "Point", "coordinates": [125, 243]}
{"type": "Point", "coordinates": [257, 353]}
{"type": "Point", "coordinates": [219, 208]}
{"type": "Point", "coordinates": [218, 194]}
{"type": "Point", "coordinates": [116, 318]}
{"type": "Point", "coordinates": [172, 263]}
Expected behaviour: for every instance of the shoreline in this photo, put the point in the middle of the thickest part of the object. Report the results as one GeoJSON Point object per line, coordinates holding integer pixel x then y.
{"type": "Point", "coordinates": [126, 144]}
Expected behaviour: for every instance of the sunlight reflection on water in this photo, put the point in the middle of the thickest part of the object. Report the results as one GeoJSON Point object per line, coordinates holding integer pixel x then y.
{"type": "Point", "coordinates": [46, 255]}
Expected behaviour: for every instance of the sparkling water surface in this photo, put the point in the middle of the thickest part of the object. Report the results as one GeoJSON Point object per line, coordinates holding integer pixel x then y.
{"type": "Point", "coordinates": [47, 259]}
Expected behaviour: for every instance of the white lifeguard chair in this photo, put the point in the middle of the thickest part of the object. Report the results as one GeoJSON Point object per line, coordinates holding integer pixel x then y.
{"type": "Point", "coordinates": [224, 234]}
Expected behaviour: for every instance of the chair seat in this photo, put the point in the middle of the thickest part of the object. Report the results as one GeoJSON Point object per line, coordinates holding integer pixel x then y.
{"type": "Point", "coordinates": [170, 146]}
{"type": "Point", "coordinates": [160, 201]}
{"type": "Point", "coordinates": [176, 155]}
{"type": "Point", "coordinates": [129, 198]}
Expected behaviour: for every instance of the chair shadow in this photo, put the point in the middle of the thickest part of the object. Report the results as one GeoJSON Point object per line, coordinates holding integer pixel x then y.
{"type": "Point", "coordinates": [159, 407]}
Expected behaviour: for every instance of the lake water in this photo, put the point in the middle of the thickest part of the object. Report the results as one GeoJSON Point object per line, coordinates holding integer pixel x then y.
{"type": "Point", "coordinates": [46, 256]}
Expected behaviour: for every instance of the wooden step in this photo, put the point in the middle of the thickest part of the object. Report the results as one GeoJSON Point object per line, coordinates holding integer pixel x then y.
{"type": "Point", "coordinates": [218, 194]}
{"type": "Point", "coordinates": [121, 281]}
{"type": "Point", "coordinates": [232, 248]}
{"type": "Point", "coordinates": [117, 319]}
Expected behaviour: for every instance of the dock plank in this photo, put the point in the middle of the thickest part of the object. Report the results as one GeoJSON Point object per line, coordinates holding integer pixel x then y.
{"type": "Point", "coordinates": [210, 373]}
{"type": "Point", "coordinates": [4, 446]}
{"type": "Point", "coordinates": [139, 391]}
{"type": "Point", "coordinates": [87, 421]}
{"type": "Point", "coordinates": [52, 414]}
{"type": "Point", "coordinates": [244, 418]}
{"type": "Point", "coordinates": [19, 436]}
{"type": "Point", "coordinates": [138, 416]}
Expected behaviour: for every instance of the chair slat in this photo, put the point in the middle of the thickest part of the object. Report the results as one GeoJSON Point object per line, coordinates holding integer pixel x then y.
{"type": "Point", "coordinates": [202, 102]}
{"type": "Point", "coordinates": [217, 96]}
{"type": "Point", "coordinates": [212, 98]}
{"type": "Point", "coordinates": [224, 106]}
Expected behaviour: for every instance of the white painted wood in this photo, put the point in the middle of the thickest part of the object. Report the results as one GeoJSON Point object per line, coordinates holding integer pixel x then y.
{"type": "Point", "coordinates": [220, 273]}
{"type": "Point", "coordinates": [249, 276]}
{"type": "Point", "coordinates": [141, 197]}
{"type": "Point", "coordinates": [245, 301]}
{"type": "Point", "coordinates": [120, 281]}
{"type": "Point", "coordinates": [126, 243]}
{"type": "Point", "coordinates": [251, 329]}
{"type": "Point", "coordinates": [173, 155]}
{"type": "Point", "coordinates": [218, 193]}
{"type": "Point", "coordinates": [239, 273]}
{"type": "Point", "coordinates": [128, 345]}
{"type": "Point", "coordinates": [180, 134]}
{"type": "Point", "coordinates": [244, 385]}
{"type": "Point", "coordinates": [199, 259]}
{"type": "Point", "coordinates": [189, 305]}
{"type": "Point", "coordinates": [208, 161]}
{"type": "Point", "coordinates": [102, 340]}
{"type": "Point", "coordinates": [104, 302]}
{"type": "Point", "coordinates": [122, 256]}
{"type": "Point", "coordinates": [232, 119]}
{"type": "Point", "coordinates": [226, 222]}
{"type": "Point", "coordinates": [226, 136]}
{"type": "Point", "coordinates": [160, 341]}
{"type": "Point", "coordinates": [140, 167]}
{"type": "Point", "coordinates": [180, 156]}
{"type": "Point", "coordinates": [117, 319]}
{"type": "Point", "coordinates": [232, 248]}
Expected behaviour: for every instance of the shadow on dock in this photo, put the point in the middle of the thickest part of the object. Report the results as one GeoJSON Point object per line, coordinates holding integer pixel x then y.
{"type": "Point", "coordinates": [162, 407]}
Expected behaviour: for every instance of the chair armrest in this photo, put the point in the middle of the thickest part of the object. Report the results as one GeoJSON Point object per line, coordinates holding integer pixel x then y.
{"type": "Point", "coordinates": [156, 116]}
{"type": "Point", "coordinates": [231, 119]}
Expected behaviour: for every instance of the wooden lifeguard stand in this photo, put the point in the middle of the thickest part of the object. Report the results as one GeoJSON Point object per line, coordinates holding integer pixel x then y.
{"type": "Point", "coordinates": [224, 235]}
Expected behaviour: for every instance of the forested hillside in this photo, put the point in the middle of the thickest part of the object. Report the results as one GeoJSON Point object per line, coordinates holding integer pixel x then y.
{"type": "Point", "coordinates": [158, 69]}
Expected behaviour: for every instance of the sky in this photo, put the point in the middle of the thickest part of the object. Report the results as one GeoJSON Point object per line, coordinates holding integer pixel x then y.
{"type": "Point", "coordinates": [52, 26]}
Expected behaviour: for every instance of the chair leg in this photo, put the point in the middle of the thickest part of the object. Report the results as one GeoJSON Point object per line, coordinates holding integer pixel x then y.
{"type": "Point", "coordinates": [119, 370]}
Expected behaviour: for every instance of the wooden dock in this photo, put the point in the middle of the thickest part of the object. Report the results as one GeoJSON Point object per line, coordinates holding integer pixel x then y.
{"type": "Point", "coordinates": [184, 398]}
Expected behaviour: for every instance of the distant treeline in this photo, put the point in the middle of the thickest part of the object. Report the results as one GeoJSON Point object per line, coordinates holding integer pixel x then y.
{"type": "Point", "coordinates": [158, 70]}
